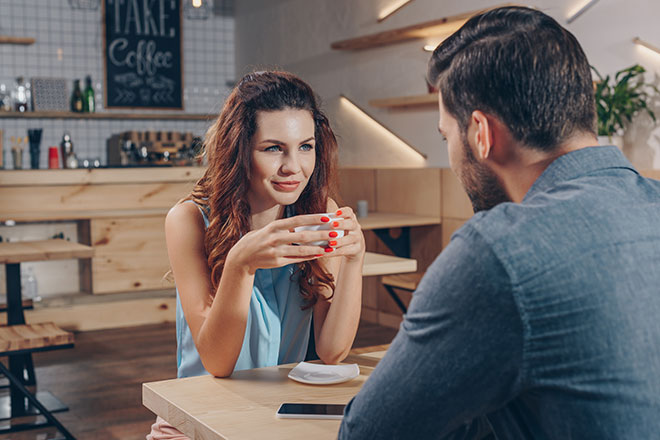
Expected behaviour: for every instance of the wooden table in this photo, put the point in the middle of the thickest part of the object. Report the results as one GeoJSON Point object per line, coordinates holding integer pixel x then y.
{"type": "Point", "coordinates": [380, 264]}
{"type": "Point", "coordinates": [387, 220]}
{"type": "Point", "coordinates": [12, 254]}
{"type": "Point", "coordinates": [243, 406]}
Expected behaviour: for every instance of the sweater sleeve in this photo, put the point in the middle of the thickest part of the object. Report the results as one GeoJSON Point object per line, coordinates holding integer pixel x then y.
{"type": "Point", "coordinates": [458, 354]}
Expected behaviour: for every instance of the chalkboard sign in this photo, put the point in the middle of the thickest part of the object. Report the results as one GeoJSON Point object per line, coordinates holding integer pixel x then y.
{"type": "Point", "coordinates": [142, 54]}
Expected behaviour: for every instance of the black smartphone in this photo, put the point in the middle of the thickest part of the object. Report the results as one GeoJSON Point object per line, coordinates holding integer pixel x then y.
{"type": "Point", "coordinates": [310, 411]}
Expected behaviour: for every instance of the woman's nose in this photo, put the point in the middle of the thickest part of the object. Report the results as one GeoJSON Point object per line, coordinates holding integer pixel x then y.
{"type": "Point", "coordinates": [291, 164]}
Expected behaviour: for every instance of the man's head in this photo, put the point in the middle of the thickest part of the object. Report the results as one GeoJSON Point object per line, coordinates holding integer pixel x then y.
{"type": "Point", "coordinates": [521, 69]}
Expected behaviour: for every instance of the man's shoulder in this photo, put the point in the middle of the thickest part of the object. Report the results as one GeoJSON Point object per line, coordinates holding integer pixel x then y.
{"type": "Point", "coordinates": [570, 218]}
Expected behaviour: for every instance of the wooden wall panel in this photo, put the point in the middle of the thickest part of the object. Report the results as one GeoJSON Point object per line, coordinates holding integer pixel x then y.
{"type": "Point", "coordinates": [130, 254]}
{"type": "Point", "coordinates": [370, 284]}
{"type": "Point", "coordinates": [369, 315]}
{"type": "Point", "coordinates": [357, 184]}
{"type": "Point", "coordinates": [66, 198]}
{"type": "Point", "coordinates": [389, 319]}
{"type": "Point", "coordinates": [104, 315]}
{"type": "Point", "coordinates": [449, 226]}
{"type": "Point", "coordinates": [455, 202]}
{"type": "Point", "coordinates": [653, 174]}
{"type": "Point", "coordinates": [426, 244]}
{"type": "Point", "coordinates": [409, 191]}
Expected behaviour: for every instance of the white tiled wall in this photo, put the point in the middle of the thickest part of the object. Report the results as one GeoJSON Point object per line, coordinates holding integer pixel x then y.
{"type": "Point", "coordinates": [69, 45]}
{"type": "Point", "coordinates": [208, 66]}
{"type": "Point", "coordinates": [54, 278]}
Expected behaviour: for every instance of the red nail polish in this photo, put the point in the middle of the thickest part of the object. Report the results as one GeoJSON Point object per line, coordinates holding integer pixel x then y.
{"type": "Point", "coordinates": [325, 219]}
{"type": "Point", "coordinates": [339, 212]}
{"type": "Point", "coordinates": [319, 255]}
{"type": "Point", "coordinates": [335, 224]}
{"type": "Point", "coordinates": [328, 249]}
{"type": "Point", "coordinates": [332, 243]}
{"type": "Point", "coordinates": [332, 234]}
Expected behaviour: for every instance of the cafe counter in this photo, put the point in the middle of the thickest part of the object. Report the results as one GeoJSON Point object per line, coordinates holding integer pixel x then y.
{"type": "Point", "coordinates": [120, 213]}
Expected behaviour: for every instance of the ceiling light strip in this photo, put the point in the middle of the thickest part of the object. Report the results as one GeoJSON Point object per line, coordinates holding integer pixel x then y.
{"type": "Point", "coordinates": [387, 12]}
{"type": "Point", "coordinates": [582, 10]}
{"type": "Point", "coordinates": [382, 126]}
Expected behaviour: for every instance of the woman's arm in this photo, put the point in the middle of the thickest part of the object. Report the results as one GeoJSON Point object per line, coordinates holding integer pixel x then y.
{"type": "Point", "coordinates": [336, 320]}
{"type": "Point", "coordinates": [217, 322]}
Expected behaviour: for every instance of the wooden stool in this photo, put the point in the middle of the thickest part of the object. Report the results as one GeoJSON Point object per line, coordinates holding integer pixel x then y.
{"type": "Point", "coordinates": [404, 281]}
{"type": "Point", "coordinates": [20, 339]}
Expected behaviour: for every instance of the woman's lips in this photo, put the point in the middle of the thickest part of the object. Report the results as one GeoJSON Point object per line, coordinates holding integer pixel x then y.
{"type": "Point", "coordinates": [288, 186]}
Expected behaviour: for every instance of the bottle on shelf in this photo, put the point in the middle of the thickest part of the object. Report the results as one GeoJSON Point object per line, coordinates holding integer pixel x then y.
{"type": "Point", "coordinates": [28, 96]}
{"type": "Point", "coordinates": [20, 95]}
{"type": "Point", "coordinates": [29, 285]}
{"type": "Point", "coordinates": [5, 99]}
{"type": "Point", "coordinates": [89, 104]}
{"type": "Point", "coordinates": [77, 100]}
{"type": "Point", "coordinates": [69, 159]}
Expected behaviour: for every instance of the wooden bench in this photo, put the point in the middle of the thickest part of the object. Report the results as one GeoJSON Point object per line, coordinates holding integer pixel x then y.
{"type": "Point", "coordinates": [33, 337]}
{"type": "Point", "coordinates": [25, 338]}
{"type": "Point", "coordinates": [404, 281]}
{"type": "Point", "coordinates": [18, 339]}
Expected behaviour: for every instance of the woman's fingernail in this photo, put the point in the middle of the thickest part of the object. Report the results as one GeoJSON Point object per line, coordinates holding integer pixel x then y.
{"type": "Point", "coordinates": [332, 243]}
{"type": "Point", "coordinates": [325, 219]}
{"type": "Point", "coordinates": [339, 212]}
{"type": "Point", "coordinates": [332, 234]}
{"type": "Point", "coordinates": [335, 224]}
{"type": "Point", "coordinates": [328, 249]}
{"type": "Point", "coordinates": [319, 255]}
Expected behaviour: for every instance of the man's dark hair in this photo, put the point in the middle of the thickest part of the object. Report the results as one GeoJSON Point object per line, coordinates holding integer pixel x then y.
{"type": "Point", "coordinates": [519, 65]}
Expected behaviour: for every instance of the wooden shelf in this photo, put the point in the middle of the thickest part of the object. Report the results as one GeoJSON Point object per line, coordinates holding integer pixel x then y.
{"type": "Point", "coordinates": [107, 115]}
{"type": "Point", "coordinates": [5, 39]}
{"type": "Point", "coordinates": [380, 264]}
{"type": "Point", "coordinates": [42, 250]}
{"type": "Point", "coordinates": [384, 220]}
{"type": "Point", "coordinates": [427, 100]}
{"type": "Point", "coordinates": [434, 28]}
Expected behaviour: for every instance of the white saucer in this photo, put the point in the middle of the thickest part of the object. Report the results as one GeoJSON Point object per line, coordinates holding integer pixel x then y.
{"type": "Point", "coordinates": [320, 374]}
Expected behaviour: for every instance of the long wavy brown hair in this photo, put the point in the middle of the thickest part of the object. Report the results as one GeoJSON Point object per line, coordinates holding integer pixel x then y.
{"type": "Point", "coordinates": [222, 191]}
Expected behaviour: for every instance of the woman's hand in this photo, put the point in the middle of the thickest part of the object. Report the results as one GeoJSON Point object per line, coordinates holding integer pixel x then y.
{"type": "Point", "coordinates": [351, 245]}
{"type": "Point", "coordinates": [276, 244]}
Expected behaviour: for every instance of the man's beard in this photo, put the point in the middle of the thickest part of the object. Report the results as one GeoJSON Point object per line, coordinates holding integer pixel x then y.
{"type": "Point", "coordinates": [481, 184]}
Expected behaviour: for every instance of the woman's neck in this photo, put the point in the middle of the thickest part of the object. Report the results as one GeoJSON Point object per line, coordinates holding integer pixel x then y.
{"type": "Point", "coordinates": [261, 217]}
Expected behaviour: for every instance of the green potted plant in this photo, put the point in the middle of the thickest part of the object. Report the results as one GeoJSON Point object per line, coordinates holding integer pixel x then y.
{"type": "Point", "coordinates": [619, 99]}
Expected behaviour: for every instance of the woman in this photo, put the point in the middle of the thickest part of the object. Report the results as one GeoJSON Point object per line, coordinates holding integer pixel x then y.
{"type": "Point", "coordinates": [251, 290]}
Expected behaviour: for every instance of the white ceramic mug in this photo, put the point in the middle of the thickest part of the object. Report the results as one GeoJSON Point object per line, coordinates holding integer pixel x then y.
{"type": "Point", "coordinates": [322, 227]}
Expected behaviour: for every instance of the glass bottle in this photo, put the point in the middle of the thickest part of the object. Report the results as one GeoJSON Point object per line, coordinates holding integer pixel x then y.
{"type": "Point", "coordinates": [88, 95]}
{"type": "Point", "coordinates": [30, 287]}
{"type": "Point", "coordinates": [69, 159]}
{"type": "Point", "coordinates": [5, 99]}
{"type": "Point", "coordinates": [77, 101]}
{"type": "Point", "coordinates": [20, 95]}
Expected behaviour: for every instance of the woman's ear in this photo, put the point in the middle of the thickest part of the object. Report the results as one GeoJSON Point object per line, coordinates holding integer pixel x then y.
{"type": "Point", "coordinates": [483, 135]}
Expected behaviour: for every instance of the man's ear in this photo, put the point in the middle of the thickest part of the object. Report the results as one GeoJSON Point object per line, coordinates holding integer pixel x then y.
{"type": "Point", "coordinates": [483, 135]}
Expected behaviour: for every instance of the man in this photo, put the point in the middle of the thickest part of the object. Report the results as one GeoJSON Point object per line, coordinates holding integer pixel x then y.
{"type": "Point", "coordinates": [541, 318]}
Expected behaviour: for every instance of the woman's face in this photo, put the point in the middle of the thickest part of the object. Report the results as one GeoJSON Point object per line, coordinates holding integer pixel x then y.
{"type": "Point", "coordinates": [283, 157]}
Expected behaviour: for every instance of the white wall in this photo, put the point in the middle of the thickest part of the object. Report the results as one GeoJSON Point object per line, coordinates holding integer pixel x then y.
{"type": "Point", "coordinates": [295, 35]}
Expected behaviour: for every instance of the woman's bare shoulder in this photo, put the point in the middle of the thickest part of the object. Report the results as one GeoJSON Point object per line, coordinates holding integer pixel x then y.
{"type": "Point", "coordinates": [184, 218]}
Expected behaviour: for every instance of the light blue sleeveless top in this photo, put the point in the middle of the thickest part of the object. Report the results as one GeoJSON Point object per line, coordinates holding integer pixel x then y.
{"type": "Point", "coordinates": [277, 330]}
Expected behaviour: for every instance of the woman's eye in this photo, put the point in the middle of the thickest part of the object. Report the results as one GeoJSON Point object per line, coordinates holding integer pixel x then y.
{"type": "Point", "coordinates": [273, 148]}
{"type": "Point", "coordinates": [306, 147]}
